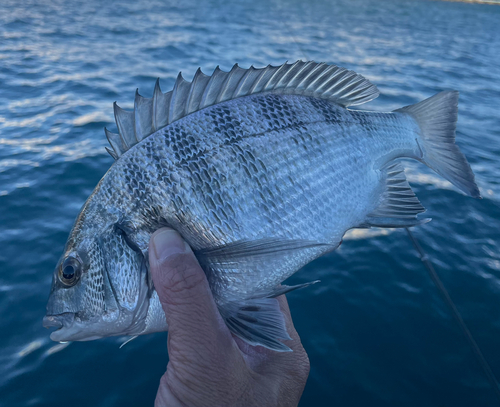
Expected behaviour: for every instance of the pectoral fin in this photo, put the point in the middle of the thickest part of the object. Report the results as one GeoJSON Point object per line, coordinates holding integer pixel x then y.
{"type": "Point", "coordinates": [245, 251]}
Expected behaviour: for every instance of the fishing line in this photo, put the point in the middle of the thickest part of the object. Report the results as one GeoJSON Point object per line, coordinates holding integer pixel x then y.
{"type": "Point", "coordinates": [290, 33]}
{"type": "Point", "coordinates": [434, 277]}
{"type": "Point", "coordinates": [456, 314]}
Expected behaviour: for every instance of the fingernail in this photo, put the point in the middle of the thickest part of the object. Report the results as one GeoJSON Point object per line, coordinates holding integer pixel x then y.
{"type": "Point", "coordinates": [168, 242]}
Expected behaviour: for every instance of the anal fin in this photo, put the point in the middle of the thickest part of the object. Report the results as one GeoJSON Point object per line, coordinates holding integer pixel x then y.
{"type": "Point", "coordinates": [399, 206]}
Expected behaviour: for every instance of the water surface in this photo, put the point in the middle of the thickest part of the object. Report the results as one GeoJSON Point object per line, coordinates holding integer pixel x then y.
{"type": "Point", "coordinates": [376, 329]}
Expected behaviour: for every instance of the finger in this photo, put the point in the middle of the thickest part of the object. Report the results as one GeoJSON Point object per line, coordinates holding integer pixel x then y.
{"type": "Point", "coordinates": [295, 364]}
{"type": "Point", "coordinates": [190, 310]}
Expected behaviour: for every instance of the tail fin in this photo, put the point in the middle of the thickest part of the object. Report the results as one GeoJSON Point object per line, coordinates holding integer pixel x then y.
{"type": "Point", "coordinates": [437, 118]}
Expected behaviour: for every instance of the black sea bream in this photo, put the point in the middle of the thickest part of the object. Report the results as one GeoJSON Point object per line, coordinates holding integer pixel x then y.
{"type": "Point", "coordinates": [261, 171]}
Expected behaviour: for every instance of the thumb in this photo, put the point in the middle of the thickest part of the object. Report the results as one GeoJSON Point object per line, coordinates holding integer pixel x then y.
{"type": "Point", "coordinates": [184, 293]}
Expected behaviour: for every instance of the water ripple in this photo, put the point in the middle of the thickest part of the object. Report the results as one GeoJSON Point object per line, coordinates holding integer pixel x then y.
{"type": "Point", "coordinates": [376, 329]}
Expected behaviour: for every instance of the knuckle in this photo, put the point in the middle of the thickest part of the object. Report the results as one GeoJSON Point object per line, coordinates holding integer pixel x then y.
{"type": "Point", "coordinates": [303, 366]}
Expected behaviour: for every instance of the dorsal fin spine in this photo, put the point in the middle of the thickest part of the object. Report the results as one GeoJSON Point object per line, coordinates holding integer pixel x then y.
{"type": "Point", "coordinates": [297, 79]}
{"type": "Point", "coordinates": [328, 72]}
{"type": "Point", "coordinates": [176, 109]}
{"type": "Point", "coordinates": [243, 80]}
{"type": "Point", "coordinates": [137, 120]}
{"type": "Point", "coordinates": [191, 103]}
{"type": "Point", "coordinates": [126, 125]}
{"type": "Point", "coordinates": [344, 78]}
{"type": "Point", "coordinates": [213, 78]}
{"type": "Point", "coordinates": [259, 79]}
{"type": "Point", "coordinates": [293, 71]}
{"type": "Point", "coordinates": [313, 75]}
{"type": "Point", "coordinates": [161, 103]}
{"type": "Point", "coordinates": [348, 85]}
{"type": "Point", "coordinates": [239, 75]}
{"type": "Point", "coordinates": [303, 75]}
{"type": "Point", "coordinates": [324, 73]}
{"type": "Point", "coordinates": [112, 153]}
{"type": "Point", "coordinates": [285, 79]}
{"type": "Point", "coordinates": [338, 81]}
{"type": "Point", "coordinates": [156, 94]}
{"type": "Point", "coordinates": [116, 142]}
{"type": "Point", "coordinates": [275, 78]}
{"type": "Point", "coordinates": [249, 81]}
{"type": "Point", "coordinates": [143, 116]}
{"type": "Point", "coordinates": [225, 84]}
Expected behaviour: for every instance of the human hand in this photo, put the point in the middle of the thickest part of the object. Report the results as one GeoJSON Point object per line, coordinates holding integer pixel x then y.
{"type": "Point", "coordinates": [208, 366]}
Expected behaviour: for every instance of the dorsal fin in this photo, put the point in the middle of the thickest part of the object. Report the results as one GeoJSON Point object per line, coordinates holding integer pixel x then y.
{"type": "Point", "coordinates": [116, 142]}
{"type": "Point", "coordinates": [314, 79]}
{"type": "Point", "coordinates": [126, 126]}
{"type": "Point", "coordinates": [161, 102]}
{"type": "Point", "coordinates": [143, 115]}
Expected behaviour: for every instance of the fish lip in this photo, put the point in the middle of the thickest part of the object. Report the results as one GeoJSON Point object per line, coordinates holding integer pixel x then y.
{"type": "Point", "coordinates": [51, 321]}
{"type": "Point", "coordinates": [62, 322]}
{"type": "Point", "coordinates": [58, 321]}
{"type": "Point", "coordinates": [68, 328]}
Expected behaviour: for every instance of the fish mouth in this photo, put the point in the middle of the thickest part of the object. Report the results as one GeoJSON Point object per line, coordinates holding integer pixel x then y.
{"type": "Point", "coordinates": [68, 328]}
{"type": "Point", "coordinates": [59, 322]}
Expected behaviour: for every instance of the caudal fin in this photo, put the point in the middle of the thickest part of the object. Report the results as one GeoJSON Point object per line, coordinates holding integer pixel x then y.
{"type": "Point", "coordinates": [437, 118]}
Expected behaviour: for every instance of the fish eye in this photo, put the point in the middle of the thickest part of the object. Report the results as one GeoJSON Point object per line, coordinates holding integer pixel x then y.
{"type": "Point", "coordinates": [70, 271]}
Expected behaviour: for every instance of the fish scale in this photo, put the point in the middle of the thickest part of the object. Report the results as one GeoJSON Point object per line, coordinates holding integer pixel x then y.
{"type": "Point", "coordinates": [275, 159]}
{"type": "Point", "coordinates": [261, 171]}
{"type": "Point", "coordinates": [273, 163]}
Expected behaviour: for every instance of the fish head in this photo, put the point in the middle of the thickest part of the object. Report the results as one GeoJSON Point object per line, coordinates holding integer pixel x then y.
{"type": "Point", "coordinates": [99, 288]}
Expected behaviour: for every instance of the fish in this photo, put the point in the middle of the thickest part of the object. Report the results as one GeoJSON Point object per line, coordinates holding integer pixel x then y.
{"type": "Point", "coordinates": [261, 171]}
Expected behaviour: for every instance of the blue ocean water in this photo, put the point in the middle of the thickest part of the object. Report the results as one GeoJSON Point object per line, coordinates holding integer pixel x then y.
{"type": "Point", "coordinates": [376, 329]}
